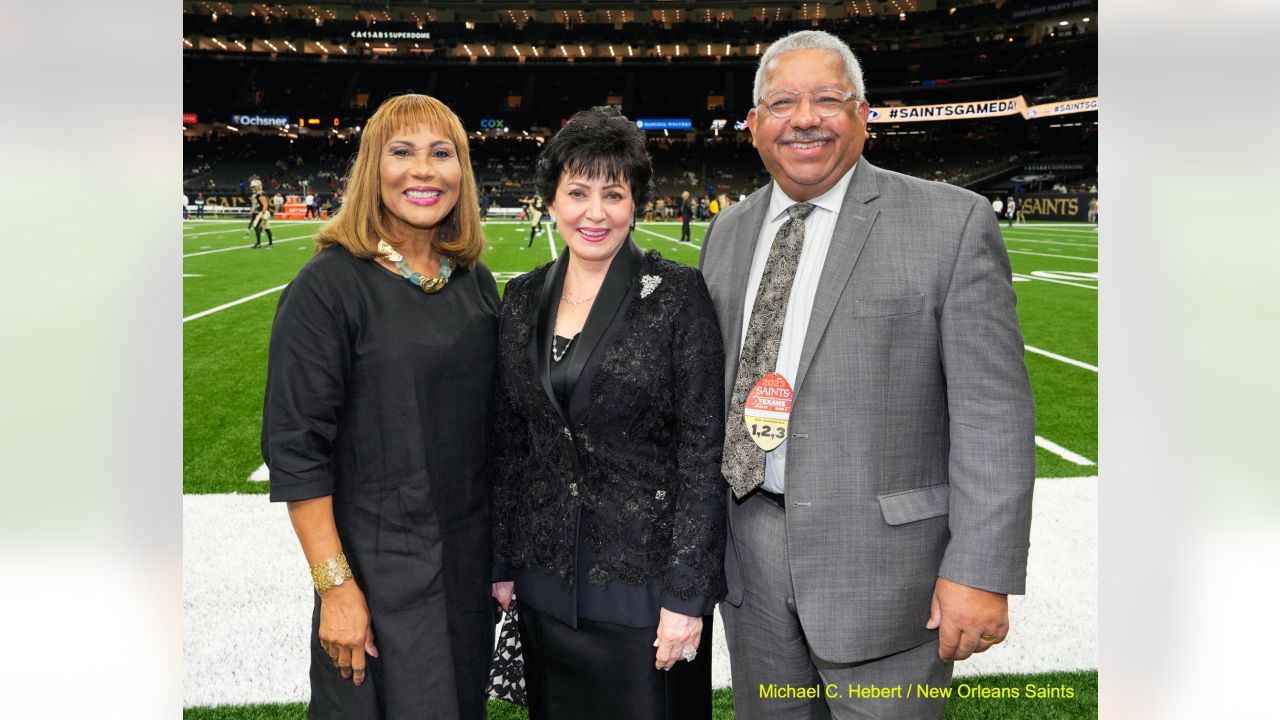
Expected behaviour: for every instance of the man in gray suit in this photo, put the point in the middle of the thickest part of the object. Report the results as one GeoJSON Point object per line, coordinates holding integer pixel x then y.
{"type": "Point", "coordinates": [879, 541]}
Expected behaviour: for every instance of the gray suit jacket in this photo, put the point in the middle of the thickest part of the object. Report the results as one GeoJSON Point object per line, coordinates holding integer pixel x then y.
{"type": "Point", "coordinates": [911, 451]}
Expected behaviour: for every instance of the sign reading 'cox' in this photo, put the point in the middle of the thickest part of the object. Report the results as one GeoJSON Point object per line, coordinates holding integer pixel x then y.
{"type": "Point", "coordinates": [491, 124]}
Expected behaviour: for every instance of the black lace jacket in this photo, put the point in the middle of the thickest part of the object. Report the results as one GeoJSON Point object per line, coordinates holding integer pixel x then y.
{"type": "Point", "coordinates": [642, 462]}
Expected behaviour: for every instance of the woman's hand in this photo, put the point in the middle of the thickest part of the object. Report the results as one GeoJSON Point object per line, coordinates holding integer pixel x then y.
{"type": "Point", "coordinates": [503, 592]}
{"type": "Point", "coordinates": [676, 633]}
{"type": "Point", "coordinates": [345, 631]}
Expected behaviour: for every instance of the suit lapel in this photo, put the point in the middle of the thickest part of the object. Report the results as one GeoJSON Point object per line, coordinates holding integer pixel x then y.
{"type": "Point", "coordinates": [847, 240]}
{"type": "Point", "coordinates": [541, 346]}
{"type": "Point", "coordinates": [740, 247]}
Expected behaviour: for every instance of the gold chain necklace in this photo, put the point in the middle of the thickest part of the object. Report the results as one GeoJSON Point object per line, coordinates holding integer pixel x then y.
{"type": "Point", "coordinates": [565, 299]}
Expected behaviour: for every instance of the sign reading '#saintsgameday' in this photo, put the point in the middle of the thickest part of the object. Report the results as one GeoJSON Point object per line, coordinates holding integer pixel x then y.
{"type": "Point", "coordinates": [980, 109]}
{"type": "Point", "coordinates": [949, 111]}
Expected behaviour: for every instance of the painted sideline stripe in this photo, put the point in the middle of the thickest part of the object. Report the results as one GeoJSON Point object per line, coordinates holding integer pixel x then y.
{"type": "Point", "coordinates": [1061, 358]}
{"type": "Point", "coordinates": [262, 474]}
{"type": "Point", "coordinates": [1063, 257]}
{"type": "Point", "coordinates": [247, 247]}
{"type": "Point", "coordinates": [551, 242]}
{"type": "Point", "coordinates": [668, 238]}
{"type": "Point", "coordinates": [233, 303]}
{"type": "Point", "coordinates": [1062, 452]}
{"type": "Point", "coordinates": [1021, 276]}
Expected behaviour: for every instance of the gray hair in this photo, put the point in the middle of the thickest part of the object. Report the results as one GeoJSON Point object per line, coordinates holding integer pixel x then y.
{"type": "Point", "coordinates": [810, 40]}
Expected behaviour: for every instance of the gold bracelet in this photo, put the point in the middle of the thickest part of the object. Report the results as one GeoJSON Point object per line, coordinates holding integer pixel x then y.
{"type": "Point", "coordinates": [330, 573]}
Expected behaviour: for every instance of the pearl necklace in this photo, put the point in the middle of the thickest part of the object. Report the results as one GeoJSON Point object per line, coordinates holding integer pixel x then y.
{"type": "Point", "coordinates": [428, 284]}
{"type": "Point", "coordinates": [558, 356]}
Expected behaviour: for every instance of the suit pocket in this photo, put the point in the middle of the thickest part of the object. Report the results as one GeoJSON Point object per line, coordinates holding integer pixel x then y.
{"type": "Point", "coordinates": [892, 306]}
{"type": "Point", "coordinates": [911, 505]}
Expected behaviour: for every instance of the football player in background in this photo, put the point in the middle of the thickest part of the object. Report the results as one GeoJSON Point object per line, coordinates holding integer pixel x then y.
{"type": "Point", "coordinates": [260, 214]}
{"type": "Point", "coordinates": [537, 210]}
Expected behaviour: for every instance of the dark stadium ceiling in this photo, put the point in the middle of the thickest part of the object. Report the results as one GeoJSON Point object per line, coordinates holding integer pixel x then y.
{"type": "Point", "coordinates": [867, 7]}
{"type": "Point", "coordinates": [497, 5]}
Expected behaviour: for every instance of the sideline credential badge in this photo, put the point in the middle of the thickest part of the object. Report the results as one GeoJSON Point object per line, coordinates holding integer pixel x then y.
{"type": "Point", "coordinates": [768, 410]}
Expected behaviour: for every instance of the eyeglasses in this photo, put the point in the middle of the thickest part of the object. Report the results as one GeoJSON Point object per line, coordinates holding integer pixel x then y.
{"type": "Point", "coordinates": [826, 102]}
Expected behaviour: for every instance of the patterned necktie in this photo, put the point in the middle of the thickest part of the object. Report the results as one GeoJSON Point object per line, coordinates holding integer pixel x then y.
{"type": "Point", "coordinates": [743, 463]}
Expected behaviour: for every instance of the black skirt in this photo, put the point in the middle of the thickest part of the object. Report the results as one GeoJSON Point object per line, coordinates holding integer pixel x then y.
{"type": "Point", "coordinates": [602, 670]}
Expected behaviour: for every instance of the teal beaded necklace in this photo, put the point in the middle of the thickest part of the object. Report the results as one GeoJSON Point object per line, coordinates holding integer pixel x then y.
{"type": "Point", "coordinates": [429, 284]}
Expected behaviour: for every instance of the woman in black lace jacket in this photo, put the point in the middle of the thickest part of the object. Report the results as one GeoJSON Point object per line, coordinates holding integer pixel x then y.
{"type": "Point", "coordinates": [608, 504]}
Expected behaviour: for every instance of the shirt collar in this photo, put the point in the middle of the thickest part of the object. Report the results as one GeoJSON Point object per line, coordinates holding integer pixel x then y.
{"type": "Point", "coordinates": [830, 200]}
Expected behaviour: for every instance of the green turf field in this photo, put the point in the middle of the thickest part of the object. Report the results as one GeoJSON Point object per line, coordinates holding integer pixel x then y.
{"type": "Point", "coordinates": [230, 294]}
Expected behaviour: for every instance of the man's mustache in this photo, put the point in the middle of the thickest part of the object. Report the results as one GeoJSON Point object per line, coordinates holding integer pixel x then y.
{"type": "Point", "coordinates": [808, 136]}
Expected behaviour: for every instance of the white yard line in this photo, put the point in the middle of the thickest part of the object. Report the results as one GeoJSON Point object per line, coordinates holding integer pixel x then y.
{"type": "Point", "coordinates": [1063, 257]}
{"type": "Point", "coordinates": [283, 225]}
{"type": "Point", "coordinates": [1062, 452]}
{"type": "Point", "coordinates": [224, 231]}
{"type": "Point", "coordinates": [262, 474]}
{"type": "Point", "coordinates": [1082, 227]}
{"type": "Point", "coordinates": [233, 303]}
{"type": "Point", "coordinates": [1008, 239]}
{"type": "Point", "coordinates": [1061, 358]}
{"type": "Point", "coordinates": [1021, 276]}
{"type": "Point", "coordinates": [670, 239]}
{"type": "Point", "coordinates": [551, 241]}
{"type": "Point", "coordinates": [247, 247]}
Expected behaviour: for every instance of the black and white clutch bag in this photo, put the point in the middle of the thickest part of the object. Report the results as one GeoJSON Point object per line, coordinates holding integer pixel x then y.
{"type": "Point", "coordinates": [506, 673]}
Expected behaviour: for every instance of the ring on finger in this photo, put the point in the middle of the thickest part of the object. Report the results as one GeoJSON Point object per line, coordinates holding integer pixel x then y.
{"type": "Point", "coordinates": [988, 637]}
{"type": "Point", "coordinates": [689, 653]}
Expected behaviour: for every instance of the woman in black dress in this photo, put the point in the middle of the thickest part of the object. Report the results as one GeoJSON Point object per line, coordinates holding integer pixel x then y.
{"type": "Point", "coordinates": [376, 424]}
{"type": "Point", "coordinates": [608, 499]}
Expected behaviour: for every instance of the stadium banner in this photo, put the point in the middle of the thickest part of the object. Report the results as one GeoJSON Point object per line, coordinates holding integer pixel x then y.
{"type": "Point", "coordinates": [1054, 206]}
{"type": "Point", "coordinates": [190, 119]}
{"type": "Point", "coordinates": [1066, 107]}
{"type": "Point", "coordinates": [948, 111]}
{"type": "Point", "coordinates": [262, 120]}
{"type": "Point", "coordinates": [665, 123]}
{"type": "Point", "coordinates": [980, 109]}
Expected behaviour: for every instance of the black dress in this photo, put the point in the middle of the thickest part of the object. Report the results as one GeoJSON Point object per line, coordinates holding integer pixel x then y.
{"type": "Point", "coordinates": [379, 395]}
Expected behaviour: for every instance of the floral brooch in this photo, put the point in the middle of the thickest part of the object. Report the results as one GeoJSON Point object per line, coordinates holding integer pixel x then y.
{"type": "Point", "coordinates": [648, 283]}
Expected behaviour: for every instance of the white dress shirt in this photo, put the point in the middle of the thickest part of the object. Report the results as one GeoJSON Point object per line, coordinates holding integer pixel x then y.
{"type": "Point", "coordinates": [817, 238]}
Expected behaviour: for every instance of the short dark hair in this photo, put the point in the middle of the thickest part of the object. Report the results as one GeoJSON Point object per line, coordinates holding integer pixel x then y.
{"type": "Point", "coordinates": [597, 143]}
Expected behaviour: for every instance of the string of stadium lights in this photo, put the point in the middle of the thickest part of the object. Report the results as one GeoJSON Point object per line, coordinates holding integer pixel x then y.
{"type": "Point", "coordinates": [520, 17]}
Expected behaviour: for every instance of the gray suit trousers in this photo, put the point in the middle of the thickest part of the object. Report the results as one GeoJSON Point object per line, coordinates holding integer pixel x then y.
{"type": "Point", "coordinates": [767, 644]}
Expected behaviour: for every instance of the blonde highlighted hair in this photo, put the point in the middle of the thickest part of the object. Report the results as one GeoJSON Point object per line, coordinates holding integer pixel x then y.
{"type": "Point", "coordinates": [360, 223]}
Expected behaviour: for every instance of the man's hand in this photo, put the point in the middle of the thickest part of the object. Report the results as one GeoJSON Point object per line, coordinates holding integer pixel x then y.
{"type": "Point", "coordinates": [968, 620]}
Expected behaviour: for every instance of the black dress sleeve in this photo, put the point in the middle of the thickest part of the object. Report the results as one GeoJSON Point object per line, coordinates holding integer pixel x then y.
{"type": "Point", "coordinates": [307, 366]}
{"type": "Point", "coordinates": [509, 448]}
{"type": "Point", "coordinates": [691, 578]}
